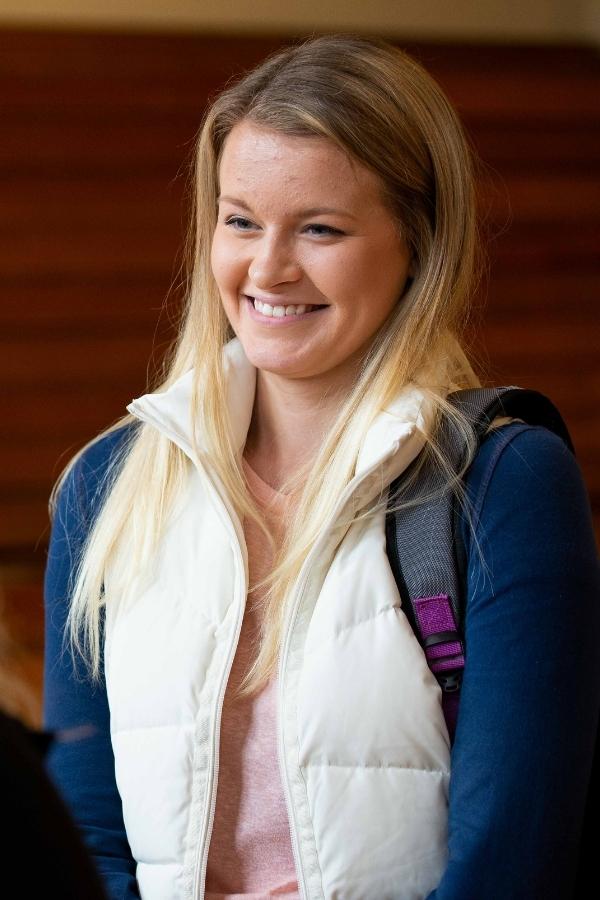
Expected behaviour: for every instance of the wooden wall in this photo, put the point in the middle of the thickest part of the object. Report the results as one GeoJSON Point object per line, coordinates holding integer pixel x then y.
{"type": "Point", "coordinates": [97, 130]}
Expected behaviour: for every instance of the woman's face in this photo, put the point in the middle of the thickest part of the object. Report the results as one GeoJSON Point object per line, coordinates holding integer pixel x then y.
{"type": "Point", "coordinates": [307, 257]}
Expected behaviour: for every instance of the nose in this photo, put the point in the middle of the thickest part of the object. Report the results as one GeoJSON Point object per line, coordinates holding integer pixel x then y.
{"type": "Point", "coordinates": [274, 263]}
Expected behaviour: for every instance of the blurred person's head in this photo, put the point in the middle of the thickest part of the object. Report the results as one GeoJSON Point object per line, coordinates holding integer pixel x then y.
{"type": "Point", "coordinates": [16, 696]}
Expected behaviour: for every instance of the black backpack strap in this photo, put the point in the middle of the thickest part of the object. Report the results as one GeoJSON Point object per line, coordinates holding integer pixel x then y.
{"type": "Point", "coordinates": [483, 405]}
{"type": "Point", "coordinates": [423, 539]}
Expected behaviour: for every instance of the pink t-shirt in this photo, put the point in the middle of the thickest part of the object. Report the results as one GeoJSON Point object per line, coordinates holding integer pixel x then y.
{"type": "Point", "coordinates": [250, 854]}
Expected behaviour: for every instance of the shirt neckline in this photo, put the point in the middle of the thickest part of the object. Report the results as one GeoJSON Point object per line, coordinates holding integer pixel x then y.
{"type": "Point", "coordinates": [263, 491]}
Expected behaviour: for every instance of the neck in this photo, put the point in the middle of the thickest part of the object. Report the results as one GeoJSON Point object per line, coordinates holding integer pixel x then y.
{"type": "Point", "coordinates": [289, 421]}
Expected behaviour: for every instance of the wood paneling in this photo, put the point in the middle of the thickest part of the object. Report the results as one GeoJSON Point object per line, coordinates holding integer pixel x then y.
{"type": "Point", "coordinates": [97, 135]}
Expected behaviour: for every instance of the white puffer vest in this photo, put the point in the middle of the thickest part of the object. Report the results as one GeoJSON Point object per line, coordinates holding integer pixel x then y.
{"type": "Point", "coordinates": [363, 746]}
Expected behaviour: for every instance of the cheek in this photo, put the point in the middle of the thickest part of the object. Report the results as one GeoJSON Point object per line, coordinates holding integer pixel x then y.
{"type": "Point", "coordinates": [218, 260]}
{"type": "Point", "coordinates": [221, 271]}
{"type": "Point", "coordinates": [384, 273]}
{"type": "Point", "coordinates": [335, 271]}
{"type": "Point", "coordinates": [227, 263]}
{"type": "Point", "coordinates": [373, 279]}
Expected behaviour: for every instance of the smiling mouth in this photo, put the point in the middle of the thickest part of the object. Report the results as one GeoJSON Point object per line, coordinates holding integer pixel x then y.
{"type": "Point", "coordinates": [279, 311]}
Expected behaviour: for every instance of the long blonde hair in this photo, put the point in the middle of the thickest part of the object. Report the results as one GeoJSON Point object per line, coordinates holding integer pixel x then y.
{"type": "Point", "coordinates": [382, 108]}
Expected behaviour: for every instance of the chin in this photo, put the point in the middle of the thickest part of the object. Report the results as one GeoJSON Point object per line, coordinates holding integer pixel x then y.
{"type": "Point", "coordinates": [278, 363]}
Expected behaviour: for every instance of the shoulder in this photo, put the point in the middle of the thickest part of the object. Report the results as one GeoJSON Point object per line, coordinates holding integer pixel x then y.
{"type": "Point", "coordinates": [86, 482]}
{"type": "Point", "coordinates": [519, 449]}
{"type": "Point", "coordinates": [99, 456]}
{"type": "Point", "coordinates": [525, 483]}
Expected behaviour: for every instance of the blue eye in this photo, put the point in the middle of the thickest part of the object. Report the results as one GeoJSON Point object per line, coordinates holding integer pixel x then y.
{"type": "Point", "coordinates": [324, 230]}
{"type": "Point", "coordinates": [239, 223]}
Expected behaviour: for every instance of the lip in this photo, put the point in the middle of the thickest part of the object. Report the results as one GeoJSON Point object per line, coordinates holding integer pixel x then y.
{"type": "Point", "coordinates": [277, 321]}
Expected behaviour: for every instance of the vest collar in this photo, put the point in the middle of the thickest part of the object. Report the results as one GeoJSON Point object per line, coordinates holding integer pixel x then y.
{"type": "Point", "coordinates": [390, 444]}
{"type": "Point", "coordinates": [170, 411]}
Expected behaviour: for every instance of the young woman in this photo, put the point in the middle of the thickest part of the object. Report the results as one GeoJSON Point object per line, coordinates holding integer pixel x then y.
{"type": "Point", "coordinates": [266, 722]}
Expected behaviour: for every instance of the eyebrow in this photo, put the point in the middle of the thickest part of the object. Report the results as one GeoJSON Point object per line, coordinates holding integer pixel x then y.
{"type": "Point", "coordinates": [302, 213]}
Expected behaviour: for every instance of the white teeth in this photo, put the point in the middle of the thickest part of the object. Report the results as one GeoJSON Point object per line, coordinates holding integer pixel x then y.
{"type": "Point", "coordinates": [280, 311]}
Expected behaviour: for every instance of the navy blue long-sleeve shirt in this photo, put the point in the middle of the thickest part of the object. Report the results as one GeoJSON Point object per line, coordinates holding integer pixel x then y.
{"type": "Point", "coordinates": [531, 689]}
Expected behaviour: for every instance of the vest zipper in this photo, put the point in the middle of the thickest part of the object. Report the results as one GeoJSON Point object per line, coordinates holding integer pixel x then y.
{"type": "Point", "coordinates": [287, 633]}
{"type": "Point", "coordinates": [207, 826]}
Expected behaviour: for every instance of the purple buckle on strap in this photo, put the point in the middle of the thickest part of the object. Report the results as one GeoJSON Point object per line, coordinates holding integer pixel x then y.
{"type": "Point", "coordinates": [442, 644]}
{"type": "Point", "coordinates": [443, 650]}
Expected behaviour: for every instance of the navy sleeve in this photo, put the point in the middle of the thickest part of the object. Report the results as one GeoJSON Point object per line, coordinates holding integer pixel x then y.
{"type": "Point", "coordinates": [83, 767]}
{"type": "Point", "coordinates": [531, 692]}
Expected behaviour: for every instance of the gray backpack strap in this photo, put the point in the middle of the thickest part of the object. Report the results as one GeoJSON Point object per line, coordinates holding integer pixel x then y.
{"type": "Point", "coordinates": [483, 405]}
{"type": "Point", "coordinates": [423, 541]}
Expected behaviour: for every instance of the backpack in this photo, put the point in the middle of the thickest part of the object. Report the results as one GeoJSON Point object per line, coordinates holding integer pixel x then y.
{"type": "Point", "coordinates": [423, 541]}
{"type": "Point", "coordinates": [428, 559]}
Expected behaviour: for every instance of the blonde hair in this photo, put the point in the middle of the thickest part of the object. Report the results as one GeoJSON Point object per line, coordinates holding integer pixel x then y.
{"type": "Point", "coordinates": [385, 111]}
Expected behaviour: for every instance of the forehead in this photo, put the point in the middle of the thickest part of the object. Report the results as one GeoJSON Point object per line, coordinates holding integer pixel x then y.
{"type": "Point", "coordinates": [261, 160]}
